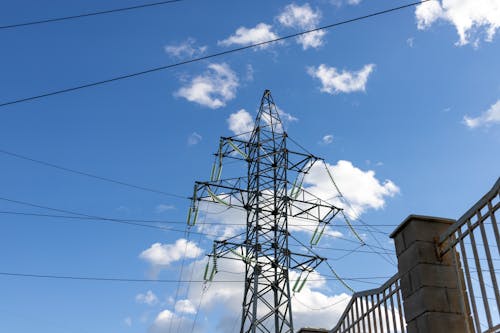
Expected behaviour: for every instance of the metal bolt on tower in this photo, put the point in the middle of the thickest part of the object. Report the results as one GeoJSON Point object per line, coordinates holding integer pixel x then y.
{"type": "Point", "coordinates": [271, 194]}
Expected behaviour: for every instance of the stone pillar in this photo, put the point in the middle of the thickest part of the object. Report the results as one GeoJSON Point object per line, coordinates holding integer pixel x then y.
{"type": "Point", "coordinates": [430, 287]}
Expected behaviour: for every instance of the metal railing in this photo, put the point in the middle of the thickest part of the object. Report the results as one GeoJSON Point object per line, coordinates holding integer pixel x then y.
{"type": "Point", "coordinates": [474, 246]}
{"type": "Point", "coordinates": [377, 310]}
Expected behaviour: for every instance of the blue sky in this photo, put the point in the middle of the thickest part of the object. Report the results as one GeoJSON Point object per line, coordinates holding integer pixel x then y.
{"type": "Point", "coordinates": [404, 107]}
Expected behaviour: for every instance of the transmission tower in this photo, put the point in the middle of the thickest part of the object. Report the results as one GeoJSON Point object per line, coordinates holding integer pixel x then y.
{"type": "Point", "coordinates": [271, 195]}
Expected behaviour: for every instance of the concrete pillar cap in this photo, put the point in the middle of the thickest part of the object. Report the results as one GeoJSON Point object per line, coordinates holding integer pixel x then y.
{"type": "Point", "coordinates": [421, 218]}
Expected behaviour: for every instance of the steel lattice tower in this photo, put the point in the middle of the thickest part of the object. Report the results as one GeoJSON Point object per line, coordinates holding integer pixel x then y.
{"type": "Point", "coordinates": [270, 194]}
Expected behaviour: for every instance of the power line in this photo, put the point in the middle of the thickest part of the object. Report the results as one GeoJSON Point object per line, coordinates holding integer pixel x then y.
{"type": "Point", "coordinates": [213, 55]}
{"type": "Point", "coordinates": [139, 223]}
{"type": "Point", "coordinates": [109, 11]}
{"type": "Point", "coordinates": [120, 279]}
{"type": "Point", "coordinates": [15, 213]}
{"type": "Point", "coordinates": [104, 219]}
{"type": "Point", "coordinates": [117, 220]}
{"type": "Point", "coordinates": [86, 174]}
{"type": "Point", "coordinates": [111, 219]}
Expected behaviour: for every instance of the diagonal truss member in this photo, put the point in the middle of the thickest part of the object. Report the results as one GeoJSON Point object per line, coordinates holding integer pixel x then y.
{"type": "Point", "coordinates": [271, 194]}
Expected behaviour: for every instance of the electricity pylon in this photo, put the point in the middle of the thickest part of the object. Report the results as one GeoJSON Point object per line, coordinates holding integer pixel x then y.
{"type": "Point", "coordinates": [271, 194]}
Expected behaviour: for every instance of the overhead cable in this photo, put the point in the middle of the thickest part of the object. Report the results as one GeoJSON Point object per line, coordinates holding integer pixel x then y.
{"type": "Point", "coordinates": [65, 18]}
{"type": "Point", "coordinates": [86, 174]}
{"type": "Point", "coordinates": [210, 56]}
{"type": "Point", "coordinates": [121, 279]}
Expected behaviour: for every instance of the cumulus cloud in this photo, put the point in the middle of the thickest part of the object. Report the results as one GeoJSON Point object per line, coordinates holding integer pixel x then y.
{"type": "Point", "coordinates": [240, 122]}
{"type": "Point", "coordinates": [148, 298]}
{"type": "Point", "coordinates": [361, 188]}
{"type": "Point", "coordinates": [487, 118]}
{"type": "Point", "coordinates": [128, 322]}
{"type": "Point", "coordinates": [471, 18]}
{"type": "Point", "coordinates": [193, 139]}
{"type": "Point", "coordinates": [164, 254]}
{"type": "Point", "coordinates": [213, 88]}
{"type": "Point", "coordinates": [185, 49]}
{"type": "Point", "coordinates": [162, 208]}
{"type": "Point", "coordinates": [303, 18]}
{"type": "Point", "coordinates": [335, 82]}
{"type": "Point", "coordinates": [327, 139]}
{"type": "Point", "coordinates": [185, 306]}
{"type": "Point", "coordinates": [286, 117]}
{"type": "Point", "coordinates": [245, 36]}
{"type": "Point", "coordinates": [249, 73]}
{"type": "Point", "coordinates": [166, 321]}
{"type": "Point", "coordinates": [226, 298]}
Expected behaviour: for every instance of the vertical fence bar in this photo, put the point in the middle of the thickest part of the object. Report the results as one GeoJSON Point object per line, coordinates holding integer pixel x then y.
{"type": "Point", "coordinates": [401, 322]}
{"type": "Point", "coordinates": [393, 313]}
{"type": "Point", "coordinates": [470, 287]}
{"type": "Point", "coordinates": [386, 313]}
{"type": "Point", "coordinates": [380, 314]}
{"type": "Point", "coordinates": [357, 314]}
{"type": "Point", "coordinates": [495, 226]}
{"type": "Point", "coordinates": [374, 315]}
{"type": "Point", "coordinates": [489, 260]}
{"type": "Point", "coordinates": [363, 314]}
{"type": "Point", "coordinates": [369, 312]}
{"type": "Point", "coordinates": [480, 274]}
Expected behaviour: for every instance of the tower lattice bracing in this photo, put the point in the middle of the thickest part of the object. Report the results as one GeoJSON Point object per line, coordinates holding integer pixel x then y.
{"type": "Point", "coordinates": [271, 195]}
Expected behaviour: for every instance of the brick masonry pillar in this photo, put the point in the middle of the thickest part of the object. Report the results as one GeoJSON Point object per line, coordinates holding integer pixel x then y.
{"type": "Point", "coordinates": [430, 287]}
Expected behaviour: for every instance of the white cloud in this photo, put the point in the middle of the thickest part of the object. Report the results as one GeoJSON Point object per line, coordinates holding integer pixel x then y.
{"type": "Point", "coordinates": [471, 18]}
{"type": "Point", "coordinates": [164, 254]}
{"type": "Point", "coordinates": [286, 117]}
{"type": "Point", "coordinates": [410, 42]}
{"type": "Point", "coordinates": [185, 306]}
{"type": "Point", "coordinates": [487, 118]}
{"type": "Point", "coordinates": [249, 73]}
{"type": "Point", "coordinates": [148, 298]}
{"type": "Point", "coordinates": [299, 16]}
{"type": "Point", "coordinates": [162, 208]}
{"type": "Point", "coordinates": [226, 298]}
{"type": "Point", "coordinates": [240, 122]}
{"type": "Point", "coordinates": [313, 39]}
{"type": "Point", "coordinates": [166, 321]}
{"type": "Point", "coordinates": [244, 36]}
{"type": "Point", "coordinates": [213, 88]}
{"type": "Point", "coordinates": [353, 2]}
{"type": "Point", "coordinates": [185, 49]}
{"type": "Point", "coordinates": [327, 139]}
{"type": "Point", "coordinates": [361, 188]}
{"type": "Point", "coordinates": [334, 82]}
{"type": "Point", "coordinates": [194, 138]}
{"type": "Point", "coordinates": [128, 322]}
{"type": "Point", "coordinates": [303, 18]}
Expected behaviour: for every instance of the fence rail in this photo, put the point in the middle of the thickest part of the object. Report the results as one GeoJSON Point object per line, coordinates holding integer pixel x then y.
{"type": "Point", "coordinates": [472, 240]}
{"type": "Point", "coordinates": [377, 310]}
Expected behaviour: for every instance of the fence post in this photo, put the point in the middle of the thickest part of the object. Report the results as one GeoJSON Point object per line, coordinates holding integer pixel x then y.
{"type": "Point", "coordinates": [429, 284]}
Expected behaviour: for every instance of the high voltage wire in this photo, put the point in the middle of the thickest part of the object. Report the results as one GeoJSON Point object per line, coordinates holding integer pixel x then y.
{"type": "Point", "coordinates": [210, 56]}
{"type": "Point", "coordinates": [86, 174]}
{"type": "Point", "coordinates": [104, 219]}
{"type": "Point", "coordinates": [5, 212]}
{"type": "Point", "coordinates": [119, 279]}
{"type": "Point", "coordinates": [110, 180]}
{"type": "Point", "coordinates": [132, 222]}
{"type": "Point", "coordinates": [109, 11]}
